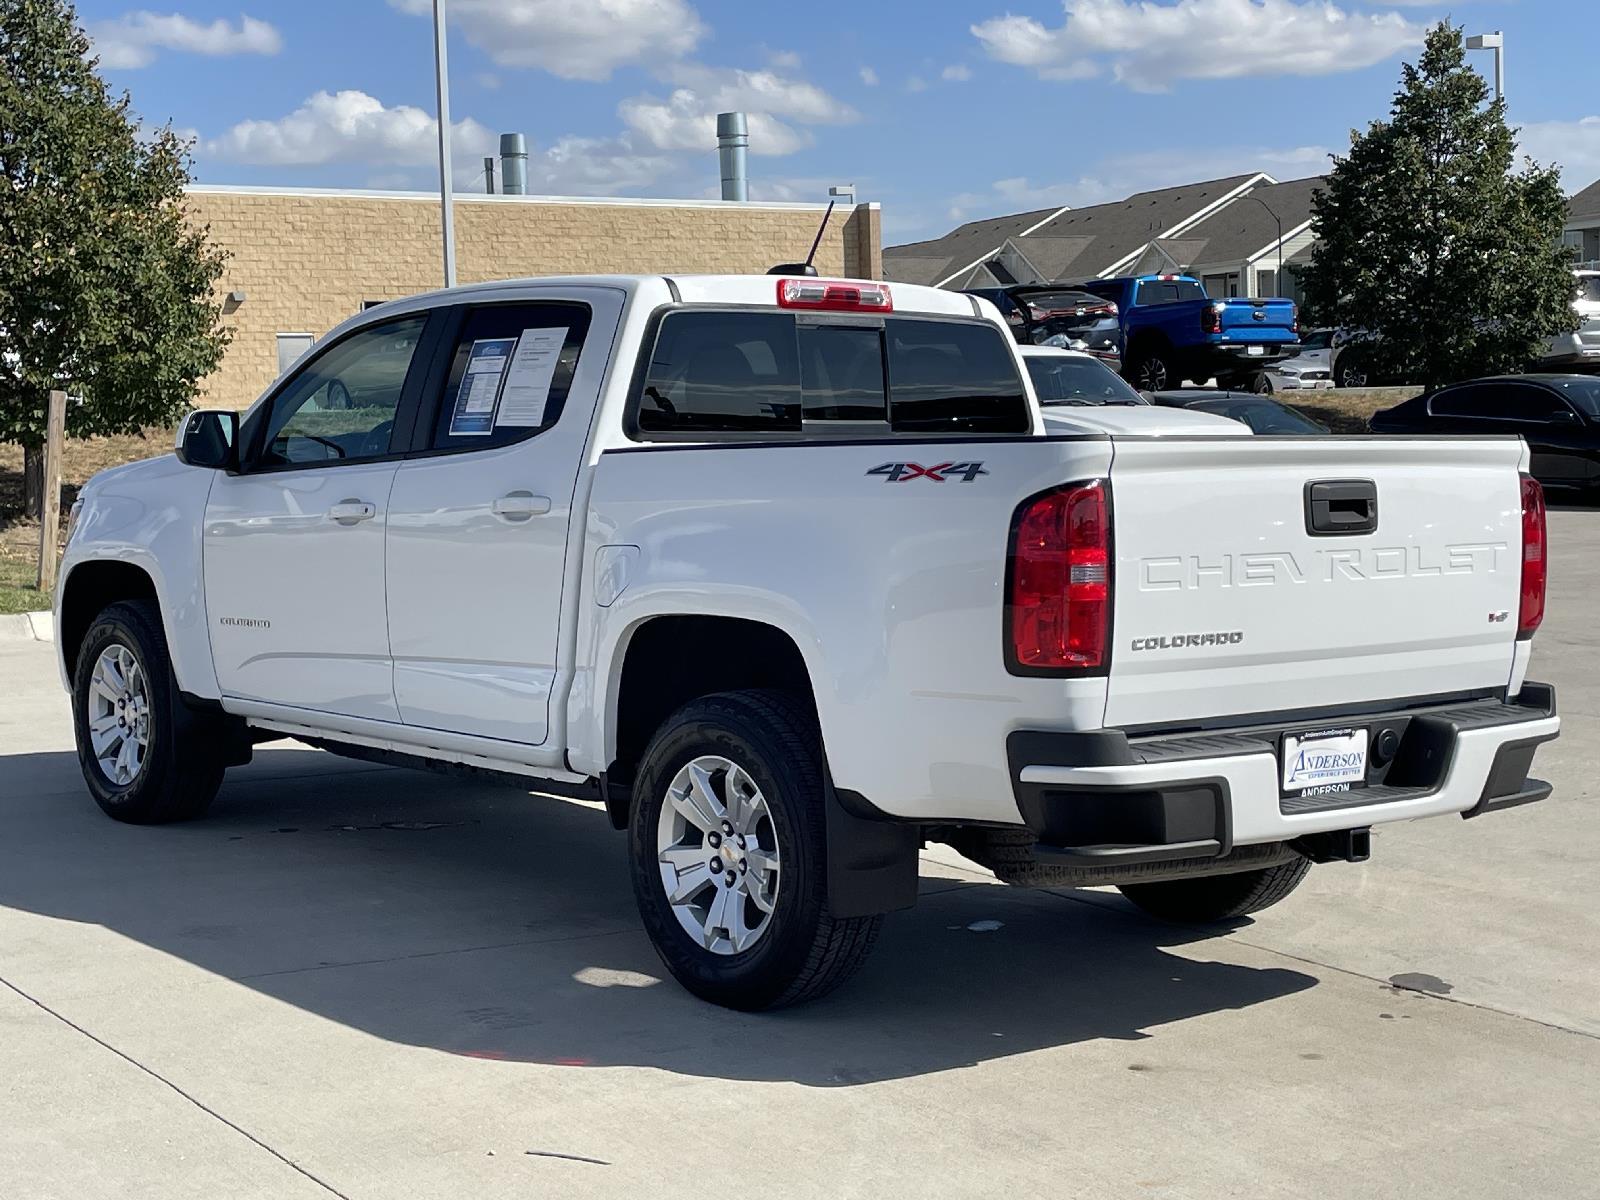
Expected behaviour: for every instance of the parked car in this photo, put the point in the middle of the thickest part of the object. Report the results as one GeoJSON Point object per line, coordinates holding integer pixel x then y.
{"type": "Point", "coordinates": [1068, 318]}
{"type": "Point", "coordinates": [1259, 413]}
{"type": "Point", "coordinates": [1173, 332]}
{"type": "Point", "coordinates": [1581, 347]}
{"type": "Point", "coordinates": [1557, 415]}
{"type": "Point", "coordinates": [1073, 377]}
{"type": "Point", "coordinates": [1309, 370]}
{"type": "Point", "coordinates": [1078, 395]}
{"type": "Point", "coordinates": [786, 575]}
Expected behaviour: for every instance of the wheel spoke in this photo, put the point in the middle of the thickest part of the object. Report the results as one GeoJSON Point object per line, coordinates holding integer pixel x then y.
{"type": "Point", "coordinates": [101, 740]}
{"type": "Point", "coordinates": [717, 918]}
{"type": "Point", "coordinates": [687, 882]}
{"type": "Point", "coordinates": [103, 723]}
{"type": "Point", "coordinates": [741, 790]}
{"type": "Point", "coordinates": [739, 931]}
{"type": "Point", "coordinates": [125, 760]}
{"type": "Point", "coordinates": [695, 802]}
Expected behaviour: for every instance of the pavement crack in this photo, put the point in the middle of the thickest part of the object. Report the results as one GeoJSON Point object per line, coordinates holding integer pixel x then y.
{"type": "Point", "coordinates": [163, 1080]}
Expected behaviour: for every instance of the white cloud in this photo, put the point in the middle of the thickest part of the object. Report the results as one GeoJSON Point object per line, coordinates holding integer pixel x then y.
{"type": "Point", "coordinates": [916, 84]}
{"type": "Point", "coordinates": [956, 73]}
{"type": "Point", "coordinates": [784, 60]}
{"type": "Point", "coordinates": [869, 76]}
{"type": "Point", "coordinates": [1149, 45]}
{"type": "Point", "coordinates": [686, 120]}
{"type": "Point", "coordinates": [1574, 145]}
{"type": "Point", "coordinates": [133, 40]}
{"type": "Point", "coordinates": [347, 127]}
{"type": "Point", "coordinates": [575, 41]}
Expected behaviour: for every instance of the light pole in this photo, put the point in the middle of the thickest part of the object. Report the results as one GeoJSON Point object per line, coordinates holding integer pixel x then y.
{"type": "Point", "coordinates": [446, 196]}
{"type": "Point", "coordinates": [1495, 41]}
{"type": "Point", "coordinates": [1277, 282]}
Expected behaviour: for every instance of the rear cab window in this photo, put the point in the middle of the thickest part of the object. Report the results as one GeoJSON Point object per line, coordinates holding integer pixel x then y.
{"type": "Point", "coordinates": [1167, 291]}
{"type": "Point", "coordinates": [721, 374]}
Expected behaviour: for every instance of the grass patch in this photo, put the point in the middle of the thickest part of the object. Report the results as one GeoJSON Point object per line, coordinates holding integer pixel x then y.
{"type": "Point", "coordinates": [1345, 411]}
{"type": "Point", "coordinates": [17, 593]}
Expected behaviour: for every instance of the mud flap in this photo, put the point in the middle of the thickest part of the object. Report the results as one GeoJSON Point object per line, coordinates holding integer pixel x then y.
{"type": "Point", "coordinates": [872, 863]}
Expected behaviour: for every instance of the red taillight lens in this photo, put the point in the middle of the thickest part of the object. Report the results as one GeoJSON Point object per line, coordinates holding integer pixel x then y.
{"type": "Point", "coordinates": [1059, 608]}
{"type": "Point", "coordinates": [1535, 559]}
{"type": "Point", "coordinates": [1211, 318]}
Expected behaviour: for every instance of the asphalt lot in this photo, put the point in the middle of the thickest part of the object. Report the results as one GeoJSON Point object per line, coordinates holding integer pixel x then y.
{"type": "Point", "coordinates": [365, 982]}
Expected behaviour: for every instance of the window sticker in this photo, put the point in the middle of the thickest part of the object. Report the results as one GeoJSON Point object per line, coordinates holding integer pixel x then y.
{"type": "Point", "coordinates": [533, 366]}
{"type": "Point", "coordinates": [473, 413]}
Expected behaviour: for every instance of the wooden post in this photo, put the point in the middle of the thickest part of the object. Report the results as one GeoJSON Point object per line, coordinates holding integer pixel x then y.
{"type": "Point", "coordinates": [50, 498]}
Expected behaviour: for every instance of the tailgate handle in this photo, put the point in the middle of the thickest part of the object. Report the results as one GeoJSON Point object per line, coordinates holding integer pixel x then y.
{"type": "Point", "coordinates": [1341, 506]}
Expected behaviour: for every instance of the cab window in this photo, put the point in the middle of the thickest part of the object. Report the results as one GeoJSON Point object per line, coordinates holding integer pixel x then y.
{"type": "Point", "coordinates": [340, 407]}
{"type": "Point", "coordinates": [510, 372]}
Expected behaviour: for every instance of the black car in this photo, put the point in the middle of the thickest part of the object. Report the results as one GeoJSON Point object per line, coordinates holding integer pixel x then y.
{"type": "Point", "coordinates": [1261, 414]}
{"type": "Point", "coordinates": [1069, 318]}
{"type": "Point", "coordinates": [1558, 416]}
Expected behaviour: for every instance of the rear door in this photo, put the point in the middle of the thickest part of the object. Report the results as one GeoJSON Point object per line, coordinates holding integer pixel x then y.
{"type": "Point", "coordinates": [1554, 432]}
{"type": "Point", "coordinates": [480, 517]}
{"type": "Point", "coordinates": [1229, 602]}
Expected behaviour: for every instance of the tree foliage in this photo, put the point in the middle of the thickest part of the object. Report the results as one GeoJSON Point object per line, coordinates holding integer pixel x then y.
{"type": "Point", "coordinates": [1445, 260]}
{"type": "Point", "coordinates": [105, 290]}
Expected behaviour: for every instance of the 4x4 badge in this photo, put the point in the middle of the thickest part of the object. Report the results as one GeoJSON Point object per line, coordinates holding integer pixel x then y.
{"type": "Point", "coordinates": [939, 473]}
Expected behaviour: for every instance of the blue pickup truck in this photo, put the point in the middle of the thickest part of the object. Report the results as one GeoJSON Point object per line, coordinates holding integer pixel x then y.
{"type": "Point", "coordinates": [1172, 331]}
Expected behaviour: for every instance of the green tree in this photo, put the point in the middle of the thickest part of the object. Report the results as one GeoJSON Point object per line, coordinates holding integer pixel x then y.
{"type": "Point", "coordinates": [1430, 245]}
{"type": "Point", "coordinates": [105, 290]}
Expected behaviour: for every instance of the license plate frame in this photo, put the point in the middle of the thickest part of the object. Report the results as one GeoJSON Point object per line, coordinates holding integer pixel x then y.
{"type": "Point", "coordinates": [1298, 776]}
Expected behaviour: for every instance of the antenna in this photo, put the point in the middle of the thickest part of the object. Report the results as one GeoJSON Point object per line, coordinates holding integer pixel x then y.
{"type": "Point", "coordinates": [806, 268]}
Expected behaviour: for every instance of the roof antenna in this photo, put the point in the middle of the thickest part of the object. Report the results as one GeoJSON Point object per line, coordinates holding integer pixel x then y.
{"type": "Point", "coordinates": [806, 268]}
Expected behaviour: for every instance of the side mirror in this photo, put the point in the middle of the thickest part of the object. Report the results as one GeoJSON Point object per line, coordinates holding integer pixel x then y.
{"type": "Point", "coordinates": [1565, 416]}
{"type": "Point", "coordinates": [209, 437]}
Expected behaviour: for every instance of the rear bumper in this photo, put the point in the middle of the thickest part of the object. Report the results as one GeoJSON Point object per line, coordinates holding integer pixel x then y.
{"type": "Point", "coordinates": [1102, 798]}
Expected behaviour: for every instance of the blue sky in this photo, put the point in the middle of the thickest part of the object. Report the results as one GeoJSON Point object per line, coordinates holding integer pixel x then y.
{"type": "Point", "coordinates": [942, 111]}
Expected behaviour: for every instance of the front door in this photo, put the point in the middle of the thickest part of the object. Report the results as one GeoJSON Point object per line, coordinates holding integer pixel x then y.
{"type": "Point", "coordinates": [480, 518]}
{"type": "Point", "coordinates": [294, 543]}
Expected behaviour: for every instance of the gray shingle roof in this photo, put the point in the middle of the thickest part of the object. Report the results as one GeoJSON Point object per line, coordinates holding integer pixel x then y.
{"type": "Point", "coordinates": [1585, 206]}
{"type": "Point", "coordinates": [1244, 227]}
{"type": "Point", "coordinates": [1088, 240]}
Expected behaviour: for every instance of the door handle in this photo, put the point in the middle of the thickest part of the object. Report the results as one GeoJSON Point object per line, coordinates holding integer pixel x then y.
{"type": "Point", "coordinates": [352, 512]}
{"type": "Point", "coordinates": [521, 506]}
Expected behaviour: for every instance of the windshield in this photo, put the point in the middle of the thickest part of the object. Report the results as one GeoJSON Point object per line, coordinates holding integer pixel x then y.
{"type": "Point", "coordinates": [1068, 379]}
{"type": "Point", "coordinates": [1583, 392]}
{"type": "Point", "coordinates": [1263, 416]}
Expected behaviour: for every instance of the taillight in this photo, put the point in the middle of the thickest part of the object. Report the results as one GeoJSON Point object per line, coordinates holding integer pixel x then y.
{"type": "Point", "coordinates": [1294, 321]}
{"type": "Point", "coordinates": [834, 296]}
{"type": "Point", "coordinates": [1211, 318]}
{"type": "Point", "coordinates": [1535, 560]}
{"type": "Point", "coordinates": [1058, 604]}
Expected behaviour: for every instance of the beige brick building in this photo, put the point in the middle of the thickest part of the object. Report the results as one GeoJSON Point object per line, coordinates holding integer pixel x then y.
{"type": "Point", "coordinates": [307, 259]}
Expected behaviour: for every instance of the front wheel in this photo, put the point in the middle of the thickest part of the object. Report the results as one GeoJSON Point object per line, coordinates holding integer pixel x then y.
{"type": "Point", "coordinates": [1218, 897]}
{"type": "Point", "coordinates": [145, 757]}
{"type": "Point", "coordinates": [728, 850]}
{"type": "Point", "coordinates": [1150, 371]}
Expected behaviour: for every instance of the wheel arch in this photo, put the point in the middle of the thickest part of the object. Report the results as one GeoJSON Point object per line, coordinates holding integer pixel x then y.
{"type": "Point", "coordinates": [665, 660]}
{"type": "Point", "coordinates": [90, 588]}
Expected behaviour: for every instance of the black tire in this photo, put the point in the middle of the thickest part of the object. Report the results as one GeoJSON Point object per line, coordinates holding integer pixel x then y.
{"type": "Point", "coordinates": [1217, 897]}
{"type": "Point", "coordinates": [1351, 372]}
{"type": "Point", "coordinates": [1151, 369]}
{"type": "Point", "coordinates": [1261, 385]}
{"type": "Point", "coordinates": [804, 951]}
{"type": "Point", "coordinates": [182, 766]}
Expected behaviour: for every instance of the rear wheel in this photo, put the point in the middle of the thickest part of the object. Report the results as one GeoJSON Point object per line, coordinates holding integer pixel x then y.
{"type": "Point", "coordinates": [146, 758]}
{"type": "Point", "coordinates": [1218, 897]}
{"type": "Point", "coordinates": [1352, 372]}
{"type": "Point", "coordinates": [728, 850]}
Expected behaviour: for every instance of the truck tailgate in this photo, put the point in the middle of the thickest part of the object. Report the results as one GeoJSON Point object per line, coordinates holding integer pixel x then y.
{"type": "Point", "coordinates": [1226, 603]}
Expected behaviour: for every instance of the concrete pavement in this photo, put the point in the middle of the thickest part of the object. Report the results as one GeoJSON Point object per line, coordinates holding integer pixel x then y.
{"type": "Point", "coordinates": [366, 982]}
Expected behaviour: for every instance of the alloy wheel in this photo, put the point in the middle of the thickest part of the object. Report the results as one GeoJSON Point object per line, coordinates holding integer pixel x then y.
{"type": "Point", "coordinates": [119, 714]}
{"type": "Point", "coordinates": [718, 855]}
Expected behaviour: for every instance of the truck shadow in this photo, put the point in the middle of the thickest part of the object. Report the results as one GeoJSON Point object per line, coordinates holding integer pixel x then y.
{"type": "Point", "coordinates": [482, 921]}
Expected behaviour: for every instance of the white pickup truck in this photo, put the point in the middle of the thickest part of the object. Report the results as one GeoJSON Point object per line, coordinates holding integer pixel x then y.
{"type": "Point", "coordinates": [795, 575]}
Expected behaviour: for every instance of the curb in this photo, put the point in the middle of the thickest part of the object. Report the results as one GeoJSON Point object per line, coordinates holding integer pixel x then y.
{"type": "Point", "coordinates": [31, 626]}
